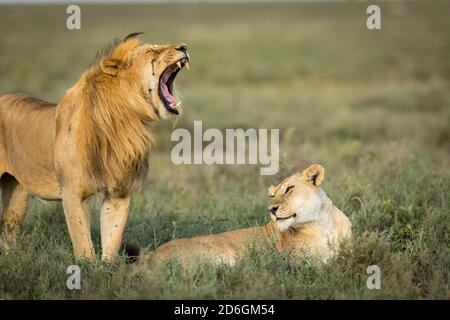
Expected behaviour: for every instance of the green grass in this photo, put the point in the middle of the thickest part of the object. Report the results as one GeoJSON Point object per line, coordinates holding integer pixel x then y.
{"type": "Point", "coordinates": [372, 106]}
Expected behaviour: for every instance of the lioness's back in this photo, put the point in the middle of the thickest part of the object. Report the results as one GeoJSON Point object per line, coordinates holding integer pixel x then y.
{"type": "Point", "coordinates": [223, 247]}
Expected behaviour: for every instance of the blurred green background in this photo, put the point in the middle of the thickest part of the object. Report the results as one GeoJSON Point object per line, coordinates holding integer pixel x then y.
{"type": "Point", "coordinates": [373, 107]}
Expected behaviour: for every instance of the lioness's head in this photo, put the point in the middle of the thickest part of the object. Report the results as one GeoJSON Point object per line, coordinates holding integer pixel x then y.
{"type": "Point", "coordinates": [298, 198]}
{"type": "Point", "coordinates": [149, 68]}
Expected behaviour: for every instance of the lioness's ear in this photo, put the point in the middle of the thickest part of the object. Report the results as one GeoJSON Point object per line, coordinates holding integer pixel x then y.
{"type": "Point", "coordinates": [271, 191]}
{"type": "Point", "coordinates": [110, 66]}
{"type": "Point", "coordinates": [314, 174]}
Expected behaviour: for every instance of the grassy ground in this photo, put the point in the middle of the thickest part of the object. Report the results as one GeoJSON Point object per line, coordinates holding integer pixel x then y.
{"type": "Point", "coordinates": [372, 106]}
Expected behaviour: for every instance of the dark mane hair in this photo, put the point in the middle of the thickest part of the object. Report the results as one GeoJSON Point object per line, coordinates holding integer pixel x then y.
{"type": "Point", "coordinates": [108, 49]}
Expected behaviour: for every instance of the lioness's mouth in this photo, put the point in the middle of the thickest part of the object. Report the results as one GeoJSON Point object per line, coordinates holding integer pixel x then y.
{"type": "Point", "coordinates": [166, 85]}
{"type": "Point", "coordinates": [284, 218]}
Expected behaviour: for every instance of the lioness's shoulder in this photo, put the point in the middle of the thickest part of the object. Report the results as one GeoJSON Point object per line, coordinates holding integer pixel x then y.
{"type": "Point", "coordinates": [343, 223]}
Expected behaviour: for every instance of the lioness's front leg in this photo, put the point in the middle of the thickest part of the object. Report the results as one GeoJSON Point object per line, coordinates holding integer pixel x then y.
{"type": "Point", "coordinates": [113, 218]}
{"type": "Point", "coordinates": [79, 224]}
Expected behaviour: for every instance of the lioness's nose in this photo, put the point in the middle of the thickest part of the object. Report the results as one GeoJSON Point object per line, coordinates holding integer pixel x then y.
{"type": "Point", "coordinates": [273, 209]}
{"type": "Point", "coordinates": [182, 47]}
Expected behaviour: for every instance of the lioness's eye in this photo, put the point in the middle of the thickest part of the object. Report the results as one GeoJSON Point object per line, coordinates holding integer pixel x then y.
{"type": "Point", "coordinates": [289, 189]}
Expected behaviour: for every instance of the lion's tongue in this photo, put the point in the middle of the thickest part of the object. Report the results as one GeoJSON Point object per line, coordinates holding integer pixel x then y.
{"type": "Point", "coordinates": [165, 90]}
{"type": "Point", "coordinates": [166, 94]}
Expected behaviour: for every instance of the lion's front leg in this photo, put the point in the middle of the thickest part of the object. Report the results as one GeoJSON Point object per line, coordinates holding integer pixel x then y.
{"type": "Point", "coordinates": [79, 225]}
{"type": "Point", "coordinates": [14, 202]}
{"type": "Point", "coordinates": [14, 209]}
{"type": "Point", "coordinates": [113, 218]}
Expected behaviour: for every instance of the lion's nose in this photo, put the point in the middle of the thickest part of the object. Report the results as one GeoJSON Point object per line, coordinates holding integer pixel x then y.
{"type": "Point", "coordinates": [273, 209]}
{"type": "Point", "coordinates": [182, 47]}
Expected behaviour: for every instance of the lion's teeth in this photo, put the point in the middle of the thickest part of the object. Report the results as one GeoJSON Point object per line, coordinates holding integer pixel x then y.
{"type": "Point", "coordinates": [187, 65]}
{"type": "Point", "coordinates": [179, 64]}
{"type": "Point", "coordinates": [173, 105]}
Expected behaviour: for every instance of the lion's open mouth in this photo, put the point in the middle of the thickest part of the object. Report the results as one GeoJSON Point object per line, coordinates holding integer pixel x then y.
{"type": "Point", "coordinates": [166, 85]}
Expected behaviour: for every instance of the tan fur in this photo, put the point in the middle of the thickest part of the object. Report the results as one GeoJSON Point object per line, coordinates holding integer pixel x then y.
{"type": "Point", "coordinates": [96, 139]}
{"type": "Point", "coordinates": [318, 237]}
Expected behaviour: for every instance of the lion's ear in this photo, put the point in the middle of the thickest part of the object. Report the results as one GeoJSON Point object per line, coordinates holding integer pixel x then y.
{"type": "Point", "coordinates": [271, 191]}
{"type": "Point", "coordinates": [314, 174]}
{"type": "Point", "coordinates": [110, 66]}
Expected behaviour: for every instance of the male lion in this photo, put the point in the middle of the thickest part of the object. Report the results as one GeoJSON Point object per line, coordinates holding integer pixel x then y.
{"type": "Point", "coordinates": [95, 140]}
{"type": "Point", "coordinates": [303, 220]}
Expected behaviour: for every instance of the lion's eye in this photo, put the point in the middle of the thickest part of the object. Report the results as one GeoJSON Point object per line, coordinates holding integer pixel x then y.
{"type": "Point", "coordinates": [289, 189]}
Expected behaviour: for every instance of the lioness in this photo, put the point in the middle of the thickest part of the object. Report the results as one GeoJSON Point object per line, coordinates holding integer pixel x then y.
{"type": "Point", "coordinates": [95, 140]}
{"type": "Point", "coordinates": [303, 219]}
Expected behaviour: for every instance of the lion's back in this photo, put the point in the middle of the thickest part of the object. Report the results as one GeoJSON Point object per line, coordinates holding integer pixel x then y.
{"type": "Point", "coordinates": [27, 133]}
{"type": "Point", "coordinates": [22, 100]}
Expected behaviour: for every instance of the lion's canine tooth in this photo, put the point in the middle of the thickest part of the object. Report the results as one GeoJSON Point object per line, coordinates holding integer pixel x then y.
{"type": "Point", "coordinates": [187, 65]}
{"type": "Point", "coordinates": [173, 105]}
{"type": "Point", "coordinates": [179, 64]}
